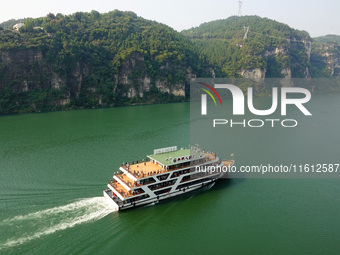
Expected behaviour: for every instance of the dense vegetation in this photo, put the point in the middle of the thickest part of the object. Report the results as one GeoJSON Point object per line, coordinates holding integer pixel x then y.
{"type": "Point", "coordinates": [10, 23]}
{"type": "Point", "coordinates": [328, 39]}
{"type": "Point", "coordinates": [96, 47]}
{"type": "Point", "coordinates": [270, 45]}
{"type": "Point", "coordinates": [325, 56]}
{"type": "Point", "coordinates": [93, 60]}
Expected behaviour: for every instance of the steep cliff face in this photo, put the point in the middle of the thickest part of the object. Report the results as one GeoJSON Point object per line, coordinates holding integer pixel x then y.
{"type": "Point", "coordinates": [134, 79]}
{"type": "Point", "coordinates": [87, 60]}
{"type": "Point", "coordinates": [286, 81]}
{"type": "Point", "coordinates": [254, 47]}
{"type": "Point", "coordinates": [25, 68]}
{"type": "Point", "coordinates": [25, 74]}
{"type": "Point", "coordinates": [27, 71]}
{"type": "Point", "coordinates": [298, 59]}
{"type": "Point", "coordinates": [329, 54]}
{"type": "Point", "coordinates": [255, 74]}
{"type": "Point", "coordinates": [21, 70]}
{"type": "Point", "coordinates": [279, 64]}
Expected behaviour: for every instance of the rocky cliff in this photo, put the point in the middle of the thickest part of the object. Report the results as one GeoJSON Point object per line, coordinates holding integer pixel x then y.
{"type": "Point", "coordinates": [133, 79]}
{"type": "Point", "coordinates": [325, 59]}
{"type": "Point", "coordinates": [254, 47]}
{"type": "Point", "coordinates": [93, 60]}
{"type": "Point", "coordinates": [26, 71]}
{"type": "Point", "coordinates": [87, 60]}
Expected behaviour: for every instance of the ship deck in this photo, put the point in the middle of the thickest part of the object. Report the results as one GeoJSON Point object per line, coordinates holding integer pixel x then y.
{"type": "Point", "coordinates": [165, 158]}
{"type": "Point", "coordinates": [149, 169]}
{"type": "Point", "coordinates": [120, 188]}
{"type": "Point", "coordinates": [145, 169]}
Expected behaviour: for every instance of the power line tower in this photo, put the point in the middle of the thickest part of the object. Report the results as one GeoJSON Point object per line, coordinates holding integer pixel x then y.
{"type": "Point", "coordinates": [240, 8]}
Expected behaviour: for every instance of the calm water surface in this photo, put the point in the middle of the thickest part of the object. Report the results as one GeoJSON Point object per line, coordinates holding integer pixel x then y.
{"type": "Point", "coordinates": [54, 166]}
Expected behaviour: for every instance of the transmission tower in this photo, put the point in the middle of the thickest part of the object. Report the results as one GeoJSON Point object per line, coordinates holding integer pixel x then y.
{"type": "Point", "coordinates": [240, 8]}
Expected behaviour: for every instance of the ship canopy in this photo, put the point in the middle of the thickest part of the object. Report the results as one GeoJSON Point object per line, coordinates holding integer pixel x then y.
{"type": "Point", "coordinates": [172, 155]}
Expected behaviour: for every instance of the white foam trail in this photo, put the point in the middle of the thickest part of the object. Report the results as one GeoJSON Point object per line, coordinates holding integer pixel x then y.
{"type": "Point", "coordinates": [151, 204]}
{"type": "Point", "coordinates": [55, 219]}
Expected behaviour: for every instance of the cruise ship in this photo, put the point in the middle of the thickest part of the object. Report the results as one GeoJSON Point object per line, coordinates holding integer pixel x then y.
{"type": "Point", "coordinates": [168, 172]}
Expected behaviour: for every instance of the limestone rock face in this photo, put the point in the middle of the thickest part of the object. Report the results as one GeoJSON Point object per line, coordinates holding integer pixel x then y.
{"type": "Point", "coordinates": [287, 80]}
{"type": "Point", "coordinates": [26, 70]}
{"type": "Point", "coordinates": [330, 55]}
{"type": "Point", "coordinates": [22, 68]}
{"type": "Point", "coordinates": [259, 74]}
{"type": "Point", "coordinates": [134, 78]}
{"type": "Point", "coordinates": [255, 74]}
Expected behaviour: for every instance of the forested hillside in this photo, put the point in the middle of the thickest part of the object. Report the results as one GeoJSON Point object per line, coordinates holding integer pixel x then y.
{"type": "Point", "coordinates": [92, 59]}
{"type": "Point", "coordinates": [10, 23]}
{"type": "Point", "coordinates": [239, 44]}
{"type": "Point", "coordinates": [328, 39]}
{"type": "Point", "coordinates": [87, 60]}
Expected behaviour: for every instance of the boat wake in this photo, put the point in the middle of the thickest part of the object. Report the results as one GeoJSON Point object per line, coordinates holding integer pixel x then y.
{"type": "Point", "coordinates": [28, 227]}
{"type": "Point", "coordinates": [151, 204]}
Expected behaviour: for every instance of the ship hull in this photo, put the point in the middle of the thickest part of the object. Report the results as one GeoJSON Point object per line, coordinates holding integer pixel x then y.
{"type": "Point", "coordinates": [119, 207]}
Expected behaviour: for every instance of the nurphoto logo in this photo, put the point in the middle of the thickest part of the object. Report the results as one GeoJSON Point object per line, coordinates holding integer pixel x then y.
{"type": "Point", "coordinates": [238, 98]}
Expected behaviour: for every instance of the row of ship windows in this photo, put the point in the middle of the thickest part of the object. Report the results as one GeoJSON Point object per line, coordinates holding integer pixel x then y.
{"type": "Point", "coordinates": [162, 185]}
{"type": "Point", "coordinates": [172, 182]}
{"type": "Point", "coordinates": [167, 190]}
{"type": "Point", "coordinates": [169, 183]}
{"type": "Point", "coordinates": [136, 199]}
{"type": "Point", "coordinates": [195, 162]}
{"type": "Point", "coordinates": [192, 183]}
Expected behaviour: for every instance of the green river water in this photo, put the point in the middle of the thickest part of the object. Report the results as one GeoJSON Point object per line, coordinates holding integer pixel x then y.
{"type": "Point", "coordinates": [54, 166]}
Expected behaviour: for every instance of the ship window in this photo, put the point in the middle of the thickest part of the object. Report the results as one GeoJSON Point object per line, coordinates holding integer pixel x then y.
{"type": "Point", "coordinates": [186, 163]}
{"type": "Point", "coordinates": [137, 191]}
{"type": "Point", "coordinates": [147, 181]}
{"type": "Point", "coordinates": [178, 173]}
{"type": "Point", "coordinates": [192, 183]}
{"type": "Point", "coordinates": [163, 177]}
{"type": "Point", "coordinates": [131, 200]}
{"type": "Point", "coordinates": [162, 191]}
{"type": "Point", "coordinates": [162, 184]}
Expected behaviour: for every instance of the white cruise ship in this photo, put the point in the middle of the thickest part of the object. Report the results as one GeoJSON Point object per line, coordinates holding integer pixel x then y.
{"type": "Point", "coordinates": [168, 172]}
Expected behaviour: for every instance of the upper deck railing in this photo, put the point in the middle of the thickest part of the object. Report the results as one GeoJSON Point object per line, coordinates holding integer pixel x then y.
{"type": "Point", "coordinates": [139, 174]}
